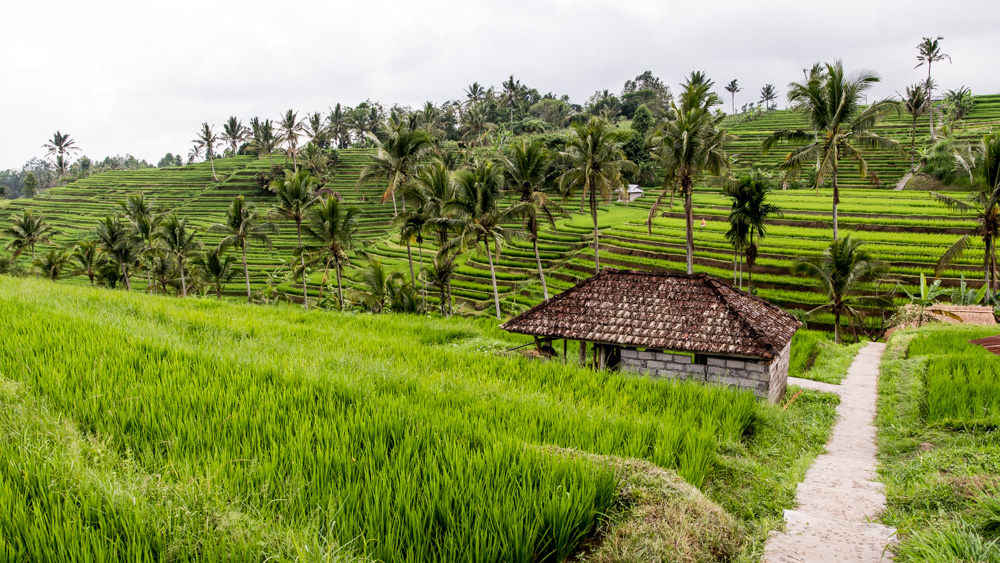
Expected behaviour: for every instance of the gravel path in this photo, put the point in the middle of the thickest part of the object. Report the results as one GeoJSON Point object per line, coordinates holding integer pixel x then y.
{"type": "Point", "coordinates": [839, 500]}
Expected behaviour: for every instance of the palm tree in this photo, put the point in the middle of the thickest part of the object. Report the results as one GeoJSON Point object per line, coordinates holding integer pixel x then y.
{"type": "Point", "coordinates": [265, 140]}
{"type": "Point", "coordinates": [983, 166]}
{"type": "Point", "coordinates": [749, 215]}
{"type": "Point", "coordinates": [846, 273]}
{"type": "Point", "coordinates": [333, 226]}
{"type": "Point", "coordinates": [512, 90]}
{"type": "Point", "coordinates": [832, 103]}
{"type": "Point", "coordinates": [929, 52]}
{"type": "Point", "coordinates": [208, 140]}
{"type": "Point", "coordinates": [296, 192]}
{"type": "Point", "coordinates": [596, 162]}
{"type": "Point", "coordinates": [439, 274]}
{"type": "Point", "coordinates": [195, 153]}
{"type": "Point", "coordinates": [244, 225]}
{"type": "Point", "coordinates": [60, 146]}
{"type": "Point", "coordinates": [474, 94]}
{"type": "Point", "coordinates": [411, 223]}
{"type": "Point", "coordinates": [315, 160]}
{"type": "Point", "coordinates": [27, 230]}
{"type": "Point", "coordinates": [338, 127]}
{"type": "Point", "coordinates": [179, 242]}
{"type": "Point", "coordinates": [215, 268]}
{"type": "Point", "coordinates": [396, 159]}
{"type": "Point", "coordinates": [116, 240]}
{"type": "Point", "coordinates": [317, 131]}
{"type": "Point", "coordinates": [53, 263]}
{"type": "Point", "coordinates": [234, 133]}
{"type": "Point", "coordinates": [143, 221]}
{"type": "Point", "coordinates": [478, 217]}
{"type": "Point", "coordinates": [376, 286]}
{"type": "Point", "coordinates": [476, 123]}
{"type": "Point", "coordinates": [290, 127]}
{"type": "Point", "coordinates": [916, 103]}
{"type": "Point", "coordinates": [767, 95]}
{"type": "Point", "coordinates": [689, 144]}
{"type": "Point", "coordinates": [89, 259]}
{"type": "Point", "coordinates": [733, 87]}
{"type": "Point", "coordinates": [526, 174]}
{"type": "Point", "coordinates": [433, 188]}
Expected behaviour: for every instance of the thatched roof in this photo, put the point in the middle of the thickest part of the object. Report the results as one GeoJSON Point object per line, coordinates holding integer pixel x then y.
{"type": "Point", "coordinates": [661, 311]}
{"type": "Point", "coordinates": [964, 314]}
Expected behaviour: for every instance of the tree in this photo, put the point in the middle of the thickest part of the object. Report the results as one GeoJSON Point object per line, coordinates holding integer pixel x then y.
{"type": "Point", "coordinates": [846, 273]}
{"type": "Point", "coordinates": [317, 131]}
{"type": "Point", "coordinates": [179, 242]}
{"type": "Point", "coordinates": [478, 218]}
{"type": "Point", "coordinates": [265, 139]}
{"type": "Point", "coordinates": [688, 145]}
{"type": "Point", "coordinates": [982, 165]}
{"type": "Point", "coordinates": [927, 295]}
{"type": "Point", "coordinates": [733, 87]}
{"type": "Point", "coordinates": [916, 103]}
{"type": "Point", "coordinates": [332, 225]}
{"type": "Point", "coordinates": [53, 263]}
{"type": "Point", "coordinates": [411, 223]}
{"type": "Point", "coordinates": [89, 259]}
{"type": "Point", "coordinates": [296, 192]}
{"type": "Point", "coordinates": [396, 159]}
{"type": "Point", "coordinates": [957, 104]}
{"type": "Point", "coordinates": [338, 127]}
{"type": "Point", "coordinates": [832, 102]}
{"type": "Point", "coordinates": [642, 121]}
{"type": "Point", "coordinates": [433, 188]}
{"type": "Point", "coordinates": [234, 133]}
{"type": "Point", "coordinates": [314, 160]}
{"type": "Point", "coordinates": [244, 225]}
{"type": "Point", "coordinates": [30, 185]}
{"type": "Point", "coordinates": [59, 147]}
{"type": "Point", "coordinates": [595, 165]}
{"type": "Point", "coordinates": [768, 95]}
{"type": "Point", "coordinates": [929, 52]}
{"type": "Point", "coordinates": [116, 240]}
{"type": "Point", "coordinates": [439, 274]}
{"type": "Point", "coordinates": [214, 268]}
{"type": "Point", "coordinates": [27, 230]}
{"type": "Point", "coordinates": [376, 286]}
{"type": "Point", "coordinates": [290, 128]}
{"type": "Point", "coordinates": [474, 94]}
{"type": "Point", "coordinates": [527, 172]}
{"type": "Point", "coordinates": [143, 222]}
{"type": "Point", "coordinates": [208, 140]}
{"type": "Point", "coordinates": [749, 215]}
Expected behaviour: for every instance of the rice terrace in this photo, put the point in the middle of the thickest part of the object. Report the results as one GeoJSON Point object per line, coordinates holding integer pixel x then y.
{"type": "Point", "coordinates": [664, 323]}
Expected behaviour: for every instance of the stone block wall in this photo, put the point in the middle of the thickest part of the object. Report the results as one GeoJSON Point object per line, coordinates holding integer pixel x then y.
{"type": "Point", "coordinates": [765, 379]}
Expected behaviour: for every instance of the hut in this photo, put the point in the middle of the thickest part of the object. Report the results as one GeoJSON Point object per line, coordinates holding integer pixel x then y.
{"type": "Point", "coordinates": [632, 192]}
{"type": "Point", "coordinates": [672, 326]}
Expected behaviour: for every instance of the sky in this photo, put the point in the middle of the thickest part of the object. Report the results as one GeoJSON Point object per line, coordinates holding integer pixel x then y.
{"type": "Point", "coordinates": [140, 77]}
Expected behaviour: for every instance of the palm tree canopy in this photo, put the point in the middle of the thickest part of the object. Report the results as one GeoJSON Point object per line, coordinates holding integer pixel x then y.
{"type": "Point", "coordinates": [177, 239]}
{"type": "Point", "coordinates": [333, 225]}
{"type": "Point", "coordinates": [596, 159]}
{"type": "Point", "coordinates": [844, 270]}
{"type": "Point", "coordinates": [243, 224]}
{"type": "Point", "coordinates": [27, 230]}
{"type": "Point", "coordinates": [397, 157]}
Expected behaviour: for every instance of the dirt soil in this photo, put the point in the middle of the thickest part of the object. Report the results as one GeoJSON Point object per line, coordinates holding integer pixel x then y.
{"type": "Point", "coordinates": [839, 501]}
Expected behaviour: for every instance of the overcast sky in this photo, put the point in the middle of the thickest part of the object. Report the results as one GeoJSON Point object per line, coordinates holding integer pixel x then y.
{"type": "Point", "coordinates": [139, 77]}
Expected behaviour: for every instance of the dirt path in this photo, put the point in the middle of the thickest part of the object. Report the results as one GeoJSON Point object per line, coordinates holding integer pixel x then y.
{"type": "Point", "coordinates": [839, 498]}
{"type": "Point", "coordinates": [902, 181]}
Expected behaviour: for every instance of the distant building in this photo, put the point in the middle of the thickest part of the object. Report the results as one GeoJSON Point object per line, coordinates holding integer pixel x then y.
{"type": "Point", "coordinates": [670, 325]}
{"type": "Point", "coordinates": [633, 193]}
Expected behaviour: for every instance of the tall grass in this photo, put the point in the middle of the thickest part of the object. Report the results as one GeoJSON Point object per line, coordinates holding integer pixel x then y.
{"type": "Point", "coordinates": [273, 431]}
{"type": "Point", "coordinates": [961, 380]}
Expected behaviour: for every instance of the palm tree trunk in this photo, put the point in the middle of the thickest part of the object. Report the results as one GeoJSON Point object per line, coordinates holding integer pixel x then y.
{"type": "Point", "coordinates": [913, 142]}
{"type": "Point", "coordinates": [394, 210]}
{"type": "Point", "coordinates": [409, 258]}
{"type": "Point", "coordinates": [302, 256]}
{"type": "Point", "coordinates": [493, 276]}
{"type": "Point", "coordinates": [930, 104]}
{"type": "Point", "coordinates": [246, 272]}
{"type": "Point", "coordinates": [128, 285]}
{"type": "Point", "coordinates": [444, 297]}
{"type": "Point", "coordinates": [597, 245]}
{"type": "Point", "coordinates": [750, 265]}
{"type": "Point", "coordinates": [451, 300]}
{"type": "Point", "coordinates": [836, 325]}
{"type": "Point", "coordinates": [689, 217]}
{"type": "Point", "coordinates": [340, 287]}
{"type": "Point", "coordinates": [836, 195]}
{"type": "Point", "coordinates": [212, 160]}
{"type": "Point", "coordinates": [423, 282]}
{"type": "Point", "coordinates": [218, 291]}
{"type": "Point", "coordinates": [541, 273]}
{"type": "Point", "coordinates": [180, 266]}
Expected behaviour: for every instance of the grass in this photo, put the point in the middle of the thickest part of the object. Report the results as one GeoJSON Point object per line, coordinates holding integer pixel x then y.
{"type": "Point", "coordinates": [941, 480]}
{"type": "Point", "coordinates": [179, 429]}
{"type": "Point", "coordinates": [815, 356]}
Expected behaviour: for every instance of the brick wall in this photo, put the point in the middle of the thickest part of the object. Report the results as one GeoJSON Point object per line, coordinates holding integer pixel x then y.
{"type": "Point", "coordinates": [765, 379]}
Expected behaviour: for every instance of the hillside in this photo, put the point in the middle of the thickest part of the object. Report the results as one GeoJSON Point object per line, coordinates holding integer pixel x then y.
{"type": "Point", "coordinates": [907, 228]}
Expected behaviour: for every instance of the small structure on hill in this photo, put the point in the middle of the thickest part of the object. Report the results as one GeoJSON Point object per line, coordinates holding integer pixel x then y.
{"type": "Point", "coordinates": [632, 193]}
{"type": "Point", "coordinates": [670, 325]}
{"type": "Point", "coordinates": [962, 314]}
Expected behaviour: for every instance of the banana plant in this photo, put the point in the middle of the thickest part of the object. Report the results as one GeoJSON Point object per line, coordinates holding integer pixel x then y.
{"type": "Point", "coordinates": [927, 296]}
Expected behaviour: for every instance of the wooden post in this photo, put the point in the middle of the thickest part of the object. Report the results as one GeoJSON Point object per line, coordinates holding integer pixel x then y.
{"type": "Point", "coordinates": [602, 356]}
{"type": "Point", "coordinates": [583, 353]}
{"type": "Point", "coordinates": [565, 345]}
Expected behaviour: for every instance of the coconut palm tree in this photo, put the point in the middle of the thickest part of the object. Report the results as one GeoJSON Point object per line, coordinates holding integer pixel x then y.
{"type": "Point", "coordinates": [916, 104]}
{"type": "Point", "coordinates": [179, 242]}
{"type": "Point", "coordinates": [242, 227]}
{"type": "Point", "coordinates": [595, 164]}
{"type": "Point", "coordinates": [296, 192]}
{"type": "Point", "coordinates": [143, 221]}
{"type": "Point", "coordinates": [749, 216]}
{"type": "Point", "coordinates": [982, 164]}
{"type": "Point", "coordinates": [333, 225]}
{"type": "Point", "coordinates": [476, 123]}
{"type": "Point", "coordinates": [433, 188]}
{"type": "Point", "coordinates": [338, 127]}
{"type": "Point", "coordinates": [315, 128]}
{"type": "Point", "coordinates": [27, 230]}
{"type": "Point", "coordinates": [478, 218]}
{"type": "Point", "coordinates": [290, 127]}
{"type": "Point", "coordinates": [846, 274]}
{"type": "Point", "coordinates": [832, 102]}
{"type": "Point", "coordinates": [315, 160]}
{"type": "Point", "coordinates": [214, 268]}
{"type": "Point", "coordinates": [89, 259]}
{"type": "Point", "coordinates": [234, 133]}
{"type": "Point", "coordinates": [411, 223]}
{"type": "Point", "coordinates": [265, 139]}
{"type": "Point", "coordinates": [439, 274]}
{"type": "Point", "coordinates": [118, 243]}
{"type": "Point", "coordinates": [733, 87]}
{"type": "Point", "coordinates": [768, 94]}
{"type": "Point", "coordinates": [474, 94]}
{"type": "Point", "coordinates": [689, 144]}
{"type": "Point", "coordinates": [377, 286]}
{"type": "Point", "coordinates": [929, 52]}
{"type": "Point", "coordinates": [527, 172]}
{"type": "Point", "coordinates": [59, 147]}
{"type": "Point", "coordinates": [208, 140]}
{"type": "Point", "coordinates": [195, 153]}
{"type": "Point", "coordinates": [53, 263]}
{"type": "Point", "coordinates": [396, 159]}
